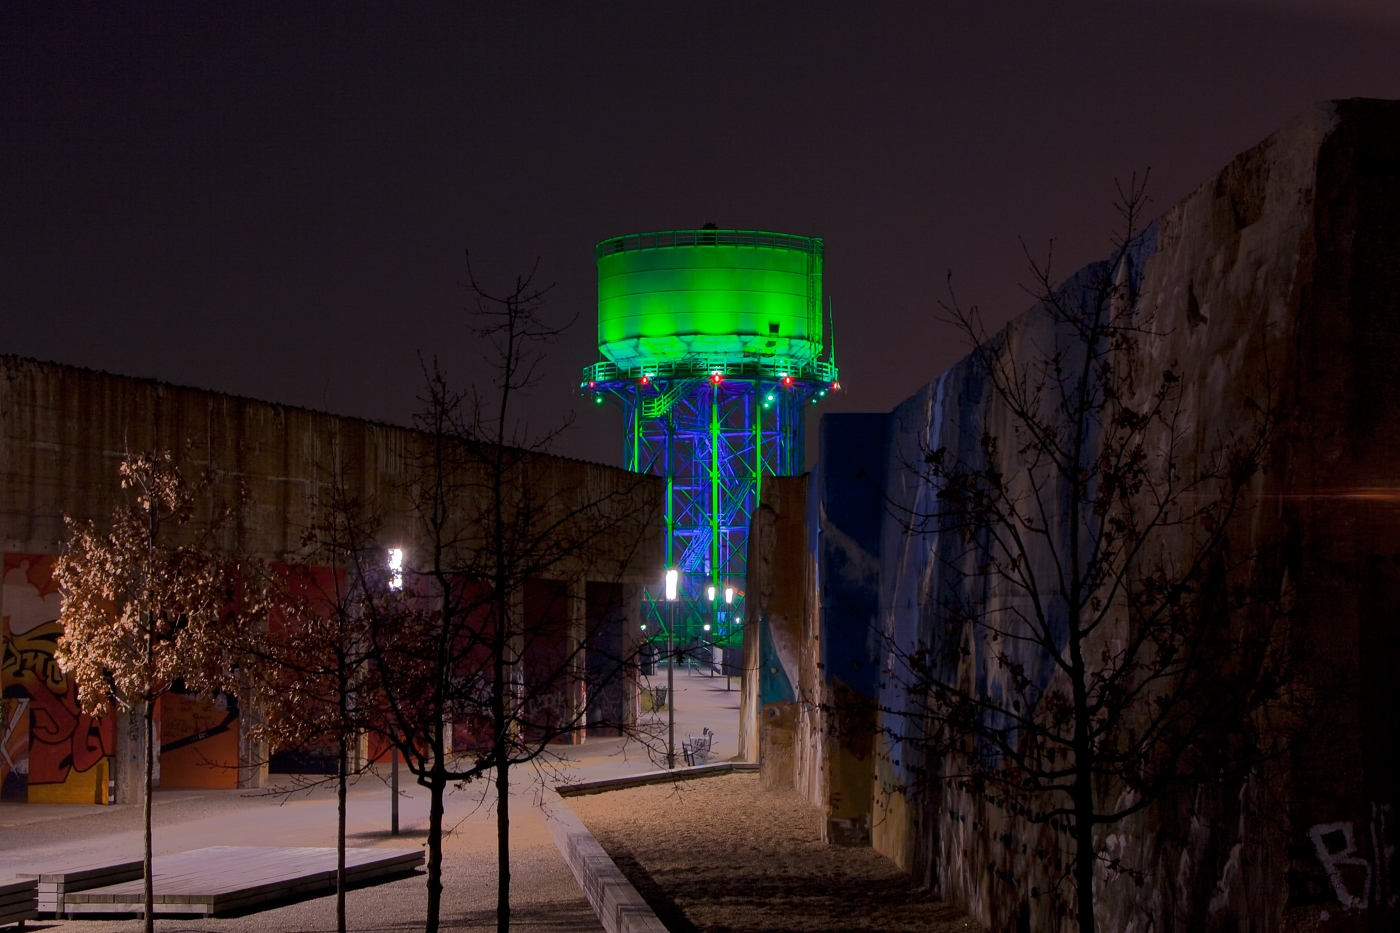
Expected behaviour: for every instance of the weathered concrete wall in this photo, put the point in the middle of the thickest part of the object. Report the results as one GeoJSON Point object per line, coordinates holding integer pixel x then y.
{"type": "Point", "coordinates": [780, 611]}
{"type": "Point", "coordinates": [63, 433]}
{"type": "Point", "coordinates": [1280, 275]}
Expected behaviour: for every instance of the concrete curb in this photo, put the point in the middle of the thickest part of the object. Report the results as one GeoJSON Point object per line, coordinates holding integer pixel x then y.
{"type": "Point", "coordinates": [653, 777]}
{"type": "Point", "coordinates": [618, 905]}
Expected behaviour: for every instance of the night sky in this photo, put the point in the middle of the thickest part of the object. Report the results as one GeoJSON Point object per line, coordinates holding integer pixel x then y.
{"type": "Point", "coordinates": [275, 200]}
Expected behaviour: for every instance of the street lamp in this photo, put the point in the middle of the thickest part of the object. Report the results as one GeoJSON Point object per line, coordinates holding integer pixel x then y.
{"type": "Point", "coordinates": [395, 560]}
{"type": "Point", "coordinates": [395, 568]}
{"type": "Point", "coordinates": [673, 586]}
{"type": "Point", "coordinates": [708, 649]}
{"type": "Point", "coordinates": [711, 592]}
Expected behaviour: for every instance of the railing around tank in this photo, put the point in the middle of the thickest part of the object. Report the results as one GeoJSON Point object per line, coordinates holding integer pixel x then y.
{"type": "Point", "coordinates": [766, 368]}
{"type": "Point", "coordinates": [670, 238]}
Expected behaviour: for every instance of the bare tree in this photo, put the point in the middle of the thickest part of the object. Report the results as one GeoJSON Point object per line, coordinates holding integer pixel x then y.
{"type": "Point", "coordinates": [474, 681]}
{"type": "Point", "coordinates": [140, 613]}
{"type": "Point", "coordinates": [1100, 635]}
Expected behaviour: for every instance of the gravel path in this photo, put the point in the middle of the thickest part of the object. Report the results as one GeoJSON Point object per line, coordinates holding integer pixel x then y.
{"type": "Point", "coordinates": [722, 855]}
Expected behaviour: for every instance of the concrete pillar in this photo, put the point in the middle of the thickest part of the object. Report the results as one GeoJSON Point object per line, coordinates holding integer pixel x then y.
{"type": "Point", "coordinates": [252, 753]}
{"type": "Point", "coordinates": [578, 663]}
{"type": "Point", "coordinates": [130, 757]}
{"type": "Point", "coordinates": [632, 640]}
{"type": "Point", "coordinates": [775, 613]}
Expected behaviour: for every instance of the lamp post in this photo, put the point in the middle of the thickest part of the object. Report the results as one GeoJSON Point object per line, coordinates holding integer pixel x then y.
{"type": "Point", "coordinates": [396, 584]}
{"type": "Point", "coordinates": [710, 593]}
{"type": "Point", "coordinates": [728, 608]}
{"type": "Point", "coordinates": [673, 579]}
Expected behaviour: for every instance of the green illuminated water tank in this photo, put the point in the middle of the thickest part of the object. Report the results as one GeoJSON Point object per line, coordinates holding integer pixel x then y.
{"type": "Point", "coordinates": [711, 297]}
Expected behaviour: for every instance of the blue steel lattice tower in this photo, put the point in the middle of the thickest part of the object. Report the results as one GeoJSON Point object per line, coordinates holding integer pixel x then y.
{"type": "Point", "coordinates": [712, 343]}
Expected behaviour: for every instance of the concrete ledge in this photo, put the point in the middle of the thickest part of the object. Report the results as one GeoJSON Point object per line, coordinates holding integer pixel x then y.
{"type": "Point", "coordinates": [654, 777]}
{"type": "Point", "coordinates": [618, 905]}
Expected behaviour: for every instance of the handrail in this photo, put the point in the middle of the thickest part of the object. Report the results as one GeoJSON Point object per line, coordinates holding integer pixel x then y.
{"type": "Point", "coordinates": [802, 370]}
{"type": "Point", "coordinates": [664, 239]}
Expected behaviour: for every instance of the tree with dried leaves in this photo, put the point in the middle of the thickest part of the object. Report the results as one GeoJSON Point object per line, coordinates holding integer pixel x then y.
{"type": "Point", "coordinates": [306, 671]}
{"type": "Point", "coordinates": [1100, 637]}
{"type": "Point", "coordinates": [141, 612]}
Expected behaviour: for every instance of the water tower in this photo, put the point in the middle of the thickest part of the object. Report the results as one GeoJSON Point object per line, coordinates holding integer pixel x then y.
{"type": "Point", "coordinates": [712, 342]}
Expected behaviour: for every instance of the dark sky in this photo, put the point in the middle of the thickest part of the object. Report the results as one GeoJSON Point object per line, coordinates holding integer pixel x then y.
{"type": "Point", "coordinates": [274, 200]}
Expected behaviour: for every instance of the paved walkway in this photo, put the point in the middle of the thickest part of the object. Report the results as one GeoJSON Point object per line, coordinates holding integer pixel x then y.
{"type": "Point", "coordinates": [545, 895]}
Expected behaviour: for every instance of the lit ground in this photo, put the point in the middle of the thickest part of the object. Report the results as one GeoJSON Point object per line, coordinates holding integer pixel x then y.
{"type": "Point", "coordinates": [545, 895]}
{"type": "Point", "coordinates": [717, 854]}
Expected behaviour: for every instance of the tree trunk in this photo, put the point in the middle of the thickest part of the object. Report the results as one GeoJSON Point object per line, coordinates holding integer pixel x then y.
{"type": "Point", "coordinates": [148, 891]}
{"type": "Point", "coordinates": [152, 691]}
{"type": "Point", "coordinates": [1084, 857]}
{"type": "Point", "coordinates": [436, 784]}
{"type": "Point", "coordinates": [340, 841]}
{"type": "Point", "coordinates": [503, 846]}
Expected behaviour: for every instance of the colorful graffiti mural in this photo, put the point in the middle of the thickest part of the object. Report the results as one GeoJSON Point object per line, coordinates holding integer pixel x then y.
{"type": "Point", "coordinates": [53, 751]}
{"type": "Point", "coordinates": [14, 748]}
{"type": "Point", "coordinates": [198, 741]}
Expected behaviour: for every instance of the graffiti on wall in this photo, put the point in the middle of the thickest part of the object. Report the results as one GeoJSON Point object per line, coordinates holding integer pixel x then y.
{"type": "Point", "coordinates": [14, 747]}
{"type": "Point", "coordinates": [198, 741]}
{"type": "Point", "coordinates": [1358, 861]}
{"type": "Point", "coordinates": [67, 750]}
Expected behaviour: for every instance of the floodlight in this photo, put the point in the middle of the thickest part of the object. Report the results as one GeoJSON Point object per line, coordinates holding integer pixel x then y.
{"type": "Point", "coordinates": [673, 582]}
{"type": "Point", "coordinates": [395, 568]}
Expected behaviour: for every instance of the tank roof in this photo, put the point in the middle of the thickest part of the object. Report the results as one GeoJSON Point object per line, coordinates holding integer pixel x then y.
{"type": "Point", "coordinates": [665, 239]}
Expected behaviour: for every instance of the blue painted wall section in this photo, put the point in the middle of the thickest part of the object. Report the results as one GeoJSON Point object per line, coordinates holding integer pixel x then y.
{"type": "Point", "coordinates": [851, 492]}
{"type": "Point", "coordinates": [774, 683]}
{"type": "Point", "coordinates": [851, 483]}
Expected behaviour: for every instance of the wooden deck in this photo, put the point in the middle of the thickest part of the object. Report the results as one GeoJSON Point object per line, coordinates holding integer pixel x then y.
{"type": "Point", "coordinates": [220, 879]}
{"type": "Point", "coordinates": [57, 883]}
{"type": "Point", "coordinates": [19, 901]}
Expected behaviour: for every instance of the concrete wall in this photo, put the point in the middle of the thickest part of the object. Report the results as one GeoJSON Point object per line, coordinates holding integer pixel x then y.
{"type": "Point", "coordinates": [779, 643]}
{"type": "Point", "coordinates": [1280, 275]}
{"type": "Point", "coordinates": [63, 432]}
{"type": "Point", "coordinates": [849, 512]}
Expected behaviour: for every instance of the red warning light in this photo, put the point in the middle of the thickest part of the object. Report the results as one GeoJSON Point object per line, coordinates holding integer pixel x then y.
{"type": "Point", "coordinates": [644, 381]}
{"type": "Point", "coordinates": [716, 378]}
{"type": "Point", "coordinates": [592, 384]}
{"type": "Point", "coordinates": [836, 387]}
{"type": "Point", "coordinates": [787, 381]}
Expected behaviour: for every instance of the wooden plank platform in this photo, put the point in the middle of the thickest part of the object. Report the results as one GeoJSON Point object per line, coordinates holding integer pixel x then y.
{"type": "Point", "coordinates": [59, 881]}
{"type": "Point", "coordinates": [19, 901]}
{"type": "Point", "coordinates": [219, 879]}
